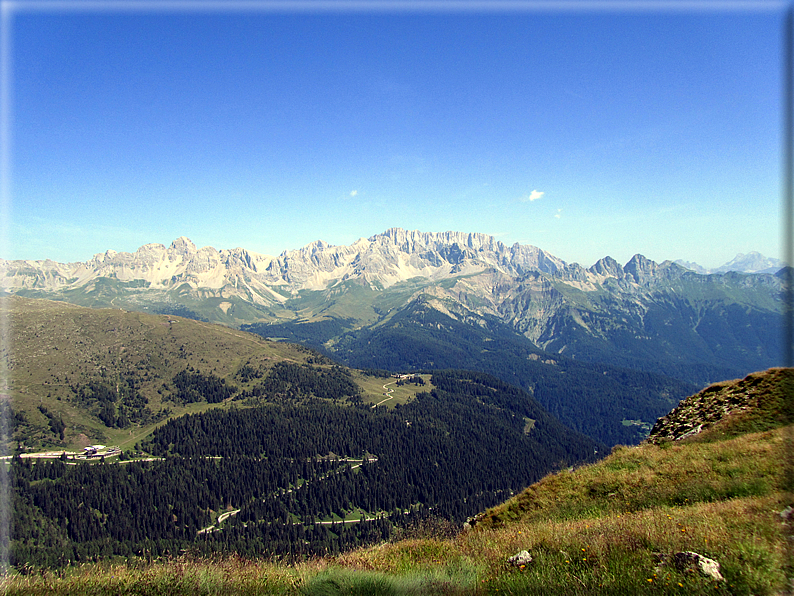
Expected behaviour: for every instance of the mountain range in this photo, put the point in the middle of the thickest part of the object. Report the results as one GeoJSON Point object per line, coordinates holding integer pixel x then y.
{"type": "Point", "coordinates": [382, 260]}
{"type": "Point", "coordinates": [606, 349]}
{"type": "Point", "coordinates": [655, 317]}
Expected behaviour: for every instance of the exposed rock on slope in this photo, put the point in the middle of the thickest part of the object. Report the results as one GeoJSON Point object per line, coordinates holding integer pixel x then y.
{"type": "Point", "coordinates": [731, 406]}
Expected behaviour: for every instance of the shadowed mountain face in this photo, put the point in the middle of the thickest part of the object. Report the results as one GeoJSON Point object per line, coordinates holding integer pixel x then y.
{"type": "Point", "coordinates": [653, 317]}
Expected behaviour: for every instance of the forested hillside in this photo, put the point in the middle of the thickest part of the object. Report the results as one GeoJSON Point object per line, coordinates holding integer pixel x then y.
{"type": "Point", "coordinates": [705, 513]}
{"type": "Point", "coordinates": [288, 471]}
{"type": "Point", "coordinates": [609, 404]}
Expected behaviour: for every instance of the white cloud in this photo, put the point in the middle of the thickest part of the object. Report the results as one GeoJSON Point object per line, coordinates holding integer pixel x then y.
{"type": "Point", "coordinates": [533, 196]}
{"type": "Point", "coordinates": [558, 215]}
{"type": "Point", "coordinates": [353, 193]}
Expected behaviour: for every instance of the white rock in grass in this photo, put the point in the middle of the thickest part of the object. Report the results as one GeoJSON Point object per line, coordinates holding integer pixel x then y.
{"type": "Point", "coordinates": [691, 560]}
{"type": "Point", "coordinates": [521, 558]}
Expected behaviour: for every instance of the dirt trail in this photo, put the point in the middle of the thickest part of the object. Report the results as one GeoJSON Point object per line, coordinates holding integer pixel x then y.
{"type": "Point", "coordinates": [389, 392]}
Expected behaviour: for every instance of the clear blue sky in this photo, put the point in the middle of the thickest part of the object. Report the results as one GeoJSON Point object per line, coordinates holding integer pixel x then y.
{"type": "Point", "coordinates": [586, 133]}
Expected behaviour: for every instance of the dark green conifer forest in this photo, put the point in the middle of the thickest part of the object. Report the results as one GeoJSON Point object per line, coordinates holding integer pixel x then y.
{"type": "Point", "coordinates": [289, 471]}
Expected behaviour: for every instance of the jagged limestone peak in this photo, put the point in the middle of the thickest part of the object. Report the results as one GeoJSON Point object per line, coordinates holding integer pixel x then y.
{"type": "Point", "coordinates": [183, 246]}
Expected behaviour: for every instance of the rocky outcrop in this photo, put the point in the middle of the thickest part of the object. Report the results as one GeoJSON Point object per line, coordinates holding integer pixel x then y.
{"type": "Point", "coordinates": [723, 402]}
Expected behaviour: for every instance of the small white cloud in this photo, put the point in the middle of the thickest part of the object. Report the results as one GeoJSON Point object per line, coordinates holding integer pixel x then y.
{"type": "Point", "coordinates": [353, 193]}
{"type": "Point", "coordinates": [558, 215]}
{"type": "Point", "coordinates": [533, 196]}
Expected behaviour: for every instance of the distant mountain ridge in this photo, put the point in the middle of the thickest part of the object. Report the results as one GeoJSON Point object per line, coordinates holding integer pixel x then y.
{"type": "Point", "coordinates": [383, 259]}
{"type": "Point", "coordinates": [752, 262]}
{"type": "Point", "coordinates": [657, 317]}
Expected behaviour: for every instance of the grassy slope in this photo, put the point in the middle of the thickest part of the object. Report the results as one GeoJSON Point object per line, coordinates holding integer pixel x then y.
{"type": "Point", "coordinates": [594, 530]}
{"type": "Point", "coordinates": [55, 344]}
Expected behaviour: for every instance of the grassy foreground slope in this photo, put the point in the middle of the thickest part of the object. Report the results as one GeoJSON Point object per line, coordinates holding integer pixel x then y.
{"type": "Point", "coordinates": [599, 529]}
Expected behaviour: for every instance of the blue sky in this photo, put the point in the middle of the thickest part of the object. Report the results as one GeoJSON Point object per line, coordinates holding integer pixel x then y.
{"type": "Point", "coordinates": [584, 132]}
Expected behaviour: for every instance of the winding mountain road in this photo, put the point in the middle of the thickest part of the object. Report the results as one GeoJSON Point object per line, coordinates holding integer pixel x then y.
{"type": "Point", "coordinates": [389, 392]}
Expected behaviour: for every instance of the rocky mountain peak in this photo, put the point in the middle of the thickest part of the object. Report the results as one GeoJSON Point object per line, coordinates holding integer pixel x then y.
{"type": "Point", "coordinates": [607, 267]}
{"type": "Point", "coordinates": [183, 246]}
{"type": "Point", "coordinates": [108, 255]}
{"type": "Point", "coordinates": [413, 240]}
{"type": "Point", "coordinates": [316, 246]}
{"type": "Point", "coordinates": [753, 262]}
{"type": "Point", "coordinates": [150, 248]}
{"type": "Point", "coordinates": [640, 268]}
